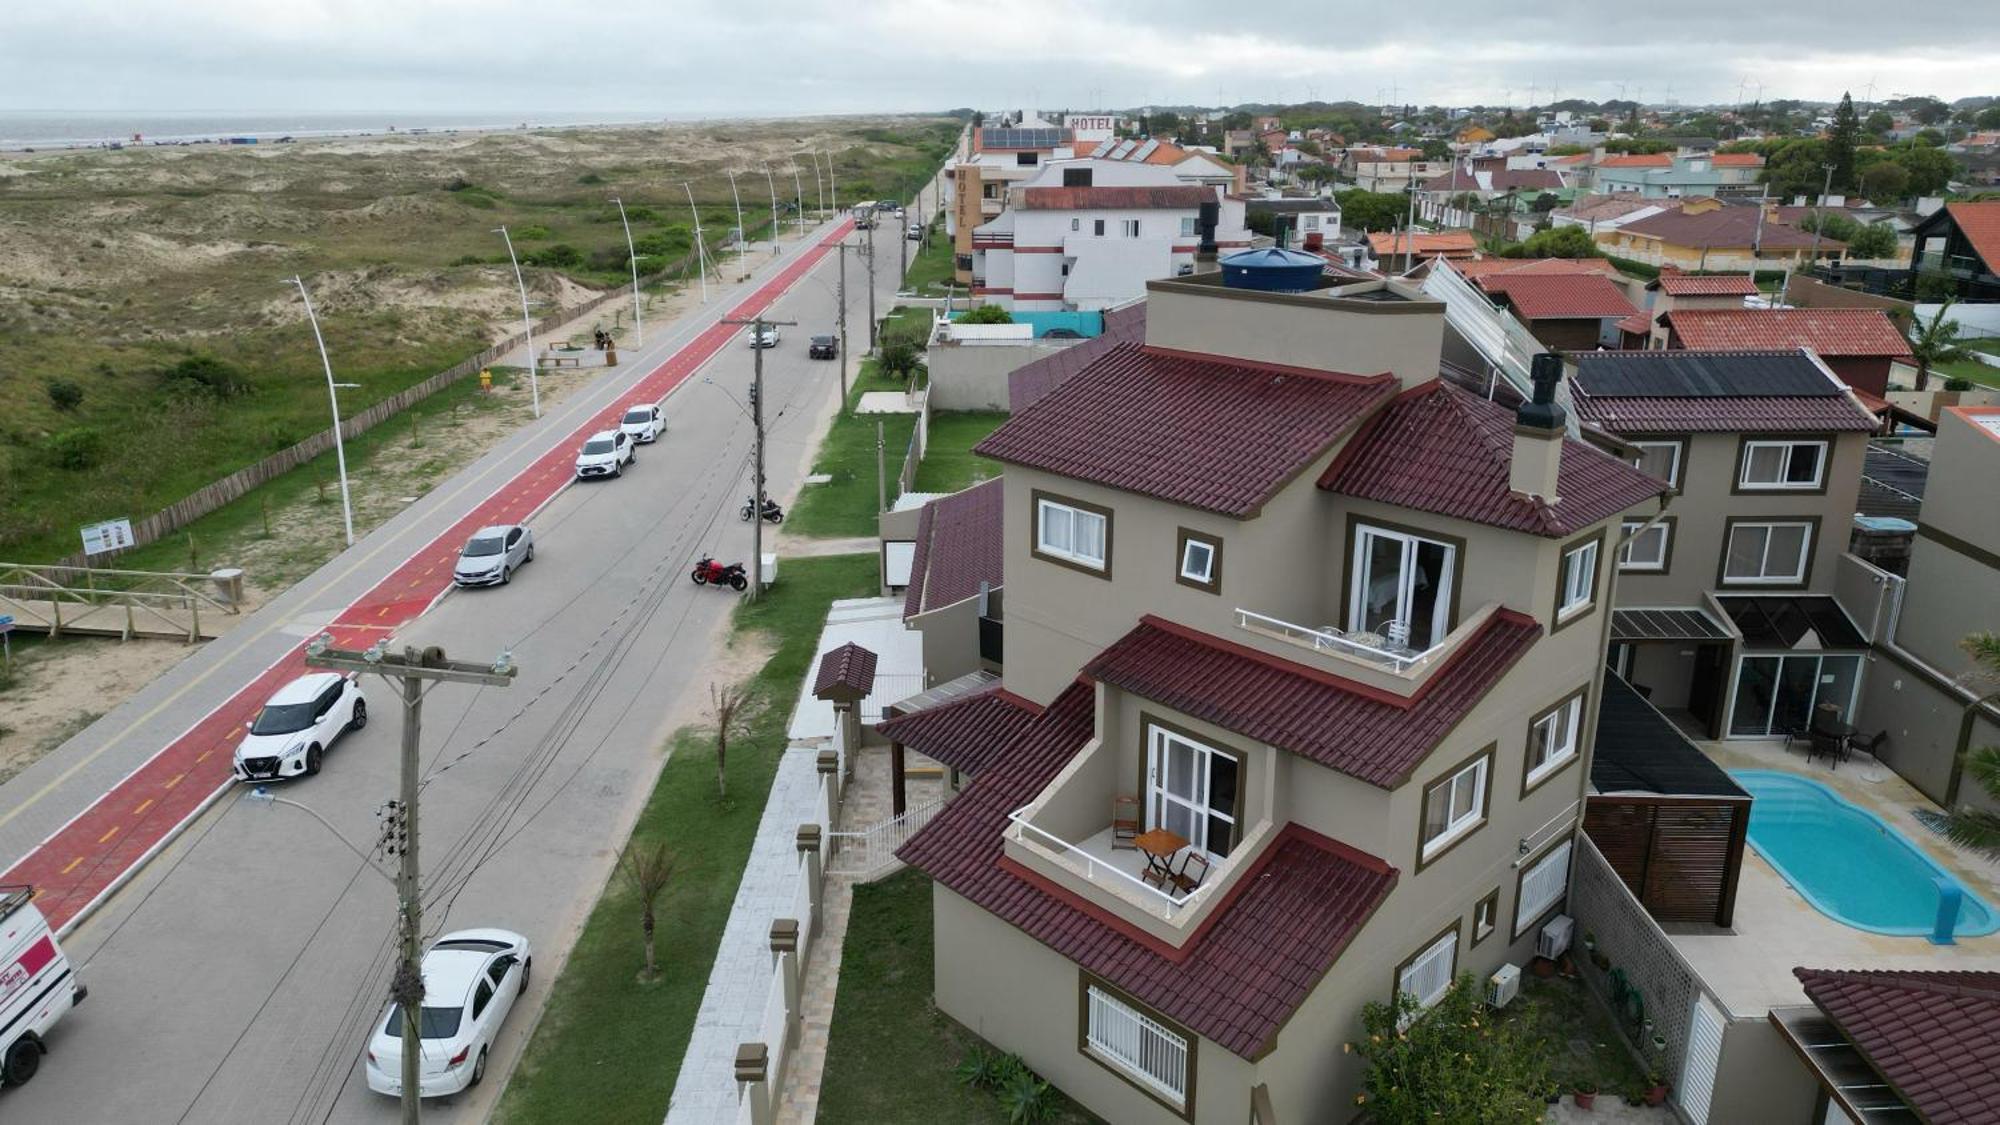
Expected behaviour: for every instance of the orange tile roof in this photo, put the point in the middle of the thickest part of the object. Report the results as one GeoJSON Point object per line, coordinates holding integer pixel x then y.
{"type": "Point", "coordinates": [1560, 296]}
{"type": "Point", "coordinates": [1829, 332]}
{"type": "Point", "coordinates": [1980, 223]}
{"type": "Point", "coordinates": [1738, 160]}
{"type": "Point", "coordinates": [1478, 268]}
{"type": "Point", "coordinates": [1444, 242]}
{"type": "Point", "coordinates": [1637, 160]}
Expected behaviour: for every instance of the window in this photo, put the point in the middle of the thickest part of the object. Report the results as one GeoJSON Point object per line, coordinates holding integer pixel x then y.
{"type": "Point", "coordinates": [1154, 1056]}
{"type": "Point", "coordinates": [1552, 740]}
{"type": "Point", "coordinates": [1200, 561]}
{"type": "Point", "coordinates": [1648, 550]}
{"type": "Point", "coordinates": [1401, 587]}
{"type": "Point", "coordinates": [1661, 459]}
{"type": "Point", "coordinates": [498, 972]}
{"type": "Point", "coordinates": [1129, 227]}
{"type": "Point", "coordinates": [1767, 553]}
{"type": "Point", "coordinates": [1026, 159]}
{"type": "Point", "coordinates": [1073, 534]}
{"type": "Point", "coordinates": [1455, 805]}
{"type": "Point", "coordinates": [1428, 972]}
{"type": "Point", "coordinates": [1309, 222]}
{"type": "Point", "coordinates": [1782, 465]}
{"type": "Point", "coordinates": [1076, 224]}
{"type": "Point", "coordinates": [1191, 790]}
{"type": "Point", "coordinates": [1543, 884]}
{"type": "Point", "coordinates": [1097, 227]}
{"type": "Point", "coordinates": [1076, 177]}
{"type": "Point", "coordinates": [1579, 580]}
{"type": "Point", "coordinates": [1485, 916]}
{"type": "Point", "coordinates": [1188, 226]}
{"type": "Point", "coordinates": [481, 998]}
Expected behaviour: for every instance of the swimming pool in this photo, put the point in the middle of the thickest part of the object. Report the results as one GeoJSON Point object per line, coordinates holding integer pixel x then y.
{"type": "Point", "coordinates": [1848, 862]}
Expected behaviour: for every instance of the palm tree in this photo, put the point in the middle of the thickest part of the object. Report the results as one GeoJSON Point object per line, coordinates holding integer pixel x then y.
{"type": "Point", "coordinates": [730, 706]}
{"type": "Point", "coordinates": [1968, 827]}
{"type": "Point", "coordinates": [1935, 343]}
{"type": "Point", "coordinates": [648, 867]}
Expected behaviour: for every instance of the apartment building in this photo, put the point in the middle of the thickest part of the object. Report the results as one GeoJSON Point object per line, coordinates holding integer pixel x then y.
{"type": "Point", "coordinates": [998, 158]}
{"type": "Point", "coordinates": [1304, 649]}
{"type": "Point", "coordinates": [1739, 606]}
{"type": "Point", "coordinates": [1388, 169]}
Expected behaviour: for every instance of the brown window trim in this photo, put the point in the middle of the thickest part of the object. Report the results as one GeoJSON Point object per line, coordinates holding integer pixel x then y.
{"type": "Point", "coordinates": [1492, 897]}
{"type": "Point", "coordinates": [1147, 721]}
{"type": "Point", "coordinates": [1557, 622]}
{"type": "Point", "coordinates": [1521, 877]}
{"type": "Point", "coordinates": [1214, 583]}
{"type": "Point", "coordinates": [1084, 980]}
{"type": "Point", "coordinates": [1396, 974]}
{"type": "Point", "coordinates": [1680, 466]}
{"type": "Point", "coordinates": [1035, 498]}
{"type": "Point", "coordinates": [1489, 752]}
{"type": "Point", "coordinates": [1356, 522]}
{"type": "Point", "coordinates": [1583, 712]}
{"type": "Point", "coordinates": [1724, 582]}
{"type": "Point", "coordinates": [1825, 441]}
{"type": "Point", "coordinates": [1666, 561]}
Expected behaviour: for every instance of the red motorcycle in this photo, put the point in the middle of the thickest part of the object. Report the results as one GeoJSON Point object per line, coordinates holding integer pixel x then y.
{"type": "Point", "coordinates": [709, 572]}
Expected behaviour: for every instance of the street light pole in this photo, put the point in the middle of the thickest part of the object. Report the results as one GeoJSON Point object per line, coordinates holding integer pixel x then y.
{"type": "Point", "coordinates": [757, 326]}
{"type": "Point", "coordinates": [772, 185]}
{"type": "Point", "coordinates": [819, 185]}
{"type": "Point", "coordinates": [868, 252]}
{"type": "Point", "coordinates": [414, 669]}
{"type": "Point", "coordinates": [799, 190]}
{"type": "Point", "coordinates": [333, 400]}
{"type": "Point", "coordinates": [700, 252]}
{"type": "Point", "coordinates": [742, 235]}
{"type": "Point", "coordinates": [528, 326]}
{"type": "Point", "coordinates": [632, 255]}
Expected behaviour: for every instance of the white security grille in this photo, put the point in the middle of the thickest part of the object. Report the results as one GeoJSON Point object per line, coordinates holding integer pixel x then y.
{"type": "Point", "coordinates": [1429, 975]}
{"type": "Point", "coordinates": [1542, 887]}
{"type": "Point", "coordinates": [1138, 1045]}
{"type": "Point", "coordinates": [1704, 1051]}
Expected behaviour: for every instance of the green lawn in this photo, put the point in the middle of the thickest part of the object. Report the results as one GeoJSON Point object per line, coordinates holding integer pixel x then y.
{"type": "Point", "coordinates": [931, 270]}
{"type": "Point", "coordinates": [949, 463]}
{"type": "Point", "coordinates": [1576, 1035]}
{"type": "Point", "coordinates": [845, 506]}
{"type": "Point", "coordinates": [609, 1046]}
{"type": "Point", "coordinates": [890, 1054]}
{"type": "Point", "coordinates": [1967, 369]}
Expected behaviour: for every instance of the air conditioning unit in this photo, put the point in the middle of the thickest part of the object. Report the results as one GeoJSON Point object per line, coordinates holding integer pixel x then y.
{"type": "Point", "coordinates": [1554, 940]}
{"type": "Point", "coordinates": [1503, 986]}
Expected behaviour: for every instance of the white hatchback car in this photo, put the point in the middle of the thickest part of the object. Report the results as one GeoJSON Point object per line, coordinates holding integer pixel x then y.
{"type": "Point", "coordinates": [288, 737]}
{"type": "Point", "coordinates": [471, 980]}
{"type": "Point", "coordinates": [643, 422]}
{"type": "Point", "coordinates": [605, 454]}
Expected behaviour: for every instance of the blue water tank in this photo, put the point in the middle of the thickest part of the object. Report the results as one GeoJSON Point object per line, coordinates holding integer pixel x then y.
{"type": "Point", "coordinates": [1272, 269]}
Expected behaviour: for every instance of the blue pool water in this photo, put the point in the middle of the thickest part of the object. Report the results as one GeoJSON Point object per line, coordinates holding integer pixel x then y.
{"type": "Point", "coordinates": [1847, 862]}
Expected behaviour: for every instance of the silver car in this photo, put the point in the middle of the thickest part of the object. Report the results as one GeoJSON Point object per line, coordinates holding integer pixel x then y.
{"type": "Point", "coordinates": [493, 554]}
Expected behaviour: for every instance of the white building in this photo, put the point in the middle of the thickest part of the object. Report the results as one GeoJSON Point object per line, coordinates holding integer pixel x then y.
{"type": "Point", "coordinates": [1088, 234]}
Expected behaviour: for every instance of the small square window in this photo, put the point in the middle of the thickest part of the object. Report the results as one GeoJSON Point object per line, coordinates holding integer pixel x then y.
{"type": "Point", "coordinates": [1188, 226]}
{"type": "Point", "coordinates": [1486, 916]}
{"type": "Point", "coordinates": [1097, 227]}
{"type": "Point", "coordinates": [1130, 228]}
{"type": "Point", "coordinates": [1200, 561]}
{"type": "Point", "coordinates": [1076, 224]}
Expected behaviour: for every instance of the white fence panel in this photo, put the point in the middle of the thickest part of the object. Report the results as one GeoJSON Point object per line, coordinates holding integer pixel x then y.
{"type": "Point", "coordinates": [866, 852]}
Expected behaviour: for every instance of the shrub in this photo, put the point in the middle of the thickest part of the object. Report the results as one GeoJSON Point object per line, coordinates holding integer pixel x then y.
{"type": "Point", "coordinates": [899, 359]}
{"type": "Point", "coordinates": [979, 1068]}
{"type": "Point", "coordinates": [1955, 383]}
{"type": "Point", "coordinates": [987, 314]}
{"type": "Point", "coordinates": [590, 178]}
{"type": "Point", "coordinates": [1026, 1099]}
{"type": "Point", "coordinates": [76, 448]}
{"type": "Point", "coordinates": [204, 376]}
{"type": "Point", "coordinates": [1450, 1063]}
{"type": "Point", "coordinates": [65, 395]}
{"type": "Point", "coordinates": [533, 232]}
{"type": "Point", "coordinates": [561, 256]}
{"type": "Point", "coordinates": [1561, 242]}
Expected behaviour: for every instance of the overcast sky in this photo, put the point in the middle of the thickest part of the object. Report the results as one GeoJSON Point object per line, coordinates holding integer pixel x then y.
{"type": "Point", "coordinates": [756, 57]}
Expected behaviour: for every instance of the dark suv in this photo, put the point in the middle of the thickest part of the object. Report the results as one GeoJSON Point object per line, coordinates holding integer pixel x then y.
{"type": "Point", "coordinates": [823, 347]}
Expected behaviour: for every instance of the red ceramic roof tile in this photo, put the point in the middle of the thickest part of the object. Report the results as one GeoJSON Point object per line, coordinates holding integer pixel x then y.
{"type": "Point", "coordinates": [1029, 383]}
{"type": "Point", "coordinates": [1726, 227]}
{"type": "Point", "coordinates": [1443, 242]}
{"type": "Point", "coordinates": [1237, 980]}
{"type": "Point", "coordinates": [1737, 160]}
{"type": "Point", "coordinates": [1559, 296]}
{"type": "Point", "coordinates": [1640, 323]}
{"type": "Point", "coordinates": [1706, 285]}
{"type": "Point", "coordinates": [1829, 332]}
{"type": "Point", "coordinates": [1638, 160]}
{"type": "Point", "coordinates": [1203, 431]}
{"type": "Point", "coordinates": [1341, 724]}
{"type": "Point", "coordinates": [850, 666]}
{"type": "Point", "coordinates": [1478, 268]}
{"type": "Point", "coordinates": [1443, 450]}
{"type": "Point", "coordinates": [958, 546]}
{"type": "Point", "coordinates": [968, 733]}
{"type": "Point", "coordinates": [1935, 1036]}
{"type": "Point", "coordinates": [1980, 223]}
{"type": "Point", "coordinates": [1114, 198]}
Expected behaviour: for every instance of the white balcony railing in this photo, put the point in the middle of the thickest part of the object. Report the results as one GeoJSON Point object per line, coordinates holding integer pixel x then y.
{"type": "Point", "coordinates": [1333, 640]}
{"type": "Point", "coordinates": [1093, 866]}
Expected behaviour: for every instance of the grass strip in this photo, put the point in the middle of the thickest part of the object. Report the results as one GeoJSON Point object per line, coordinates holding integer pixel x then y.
{"type": "Point", "coordinates": [845, 505]}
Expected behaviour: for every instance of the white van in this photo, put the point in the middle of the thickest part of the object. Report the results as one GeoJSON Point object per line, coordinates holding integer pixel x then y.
{"type": "Point", "coordinates": [37, 987]}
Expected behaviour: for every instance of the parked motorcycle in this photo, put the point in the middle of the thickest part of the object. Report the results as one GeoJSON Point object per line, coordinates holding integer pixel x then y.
{"type": "Point", "coordinates": [709, 572]}
{"type": "Point", "coordinates": [772, 512]}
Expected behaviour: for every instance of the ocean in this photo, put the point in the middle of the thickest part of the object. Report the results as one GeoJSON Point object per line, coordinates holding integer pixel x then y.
{"type": "Point", "coordinates": [46, 129]}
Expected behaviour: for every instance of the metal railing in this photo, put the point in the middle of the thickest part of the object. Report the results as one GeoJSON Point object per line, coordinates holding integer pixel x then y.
{"type": "Point", "coordinates": [1092, 865]}
{"type": "Point", "coordinates": [867, 852]}
{"type": "Point", "coordinates": [1332, 640]}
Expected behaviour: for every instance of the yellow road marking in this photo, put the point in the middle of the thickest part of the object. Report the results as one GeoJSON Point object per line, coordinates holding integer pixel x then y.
{"type": "Point", "coordinates": [174, 780]}
{"type": "Point", "coordinates": [143, 806]}
{"type": "Point", "coordinates": [106, 838]}
{"type": "Point", "coordinates": [203, 756]}
{"type": "Point", "coordinates": [72, 865]}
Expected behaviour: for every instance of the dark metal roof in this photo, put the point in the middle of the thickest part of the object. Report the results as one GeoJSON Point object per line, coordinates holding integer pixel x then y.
{"type": "Point", "coordinates": [1666, 625]}
{"type": "Point", "coordinates": [1703, 374]}
{"type": "Point", "coordinates": [1892, 482]}
{"type": "Point", "coordinates": [1780, 621]}
{"type": "Point", "coordinates": [847, 670]}
{"type": "Point", "coordinates": [1640, 750]}
{"type": "Point", "coordinates": [1934, 1035]}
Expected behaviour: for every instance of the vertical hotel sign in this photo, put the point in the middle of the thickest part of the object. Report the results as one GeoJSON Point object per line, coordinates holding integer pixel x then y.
{"type": "Point", "coordinates": [111, 535]}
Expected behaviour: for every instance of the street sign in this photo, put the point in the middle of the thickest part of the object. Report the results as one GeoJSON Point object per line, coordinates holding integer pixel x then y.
{"type": "Point", "coordinates": [111, 535]}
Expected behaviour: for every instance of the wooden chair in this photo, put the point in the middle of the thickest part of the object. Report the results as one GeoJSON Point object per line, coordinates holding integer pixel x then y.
{"type": "Point", "coordinates": [1125, 826]}
{"type": "Point", "coordinates": [1193, 869]}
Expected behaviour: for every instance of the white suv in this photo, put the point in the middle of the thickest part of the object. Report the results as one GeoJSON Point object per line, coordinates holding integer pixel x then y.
{"type": "Point", "coordinates": [605, 454]}
{"type": "Point", "coordinates": [643, 422]}
{"type": "Point", "coordinates": [294, 729]}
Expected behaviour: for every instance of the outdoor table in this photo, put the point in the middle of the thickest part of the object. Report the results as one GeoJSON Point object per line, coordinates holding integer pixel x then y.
{"type": "Point", "coordinates": [1160, 846]}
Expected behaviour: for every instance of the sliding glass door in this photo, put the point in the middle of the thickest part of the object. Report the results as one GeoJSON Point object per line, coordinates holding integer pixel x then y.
{"type": "Point", "coordinates": [1191, 791]}
{"type": "Point", "coordinates": [1775, 694]}
{"type": "Point", "coordinates": [1401, 582]}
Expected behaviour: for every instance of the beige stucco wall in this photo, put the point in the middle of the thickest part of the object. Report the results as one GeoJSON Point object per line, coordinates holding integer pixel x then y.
{"type": "Point", "coordinates": [974, 376]}
{"type": "Point", "coordinates": [951, 640]}
{"type": "Point", "coordinates": [1953, 592]}
{"type": "Point", "coordinates": [1351, 336]}
{"type": "Point", "coordinates": [1760, 1077]}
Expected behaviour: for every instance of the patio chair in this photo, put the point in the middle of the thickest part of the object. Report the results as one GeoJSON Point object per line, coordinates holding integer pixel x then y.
{"type": "Point", "coordinates": [1194, 868]}
{"type": "Point", "coordinates": [1871, 746]}
{"type": "Point", "coordinates": [1125, 827]}
{"type": "Point", "coordinates": [1828, 744]}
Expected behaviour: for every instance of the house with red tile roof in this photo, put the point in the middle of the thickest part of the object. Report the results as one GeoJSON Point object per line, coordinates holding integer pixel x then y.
{"type": "Point", "coordinates": [1961, 241]}
{"type": "Point", "coordinates": [1900, 1044]}
{"type": "Point", "coordinates": [1707, 234]}
{"type": "Point", "coordinates": [1568, 311]}
{"type": "Point", "coordinates": [1860, 345]}
{"type": "Point", "coordinates": [1674, 289]}
{"type": "Point", "coordinates": [955, 579]}
{"type": "Point", "coordinates": [1303, 653]}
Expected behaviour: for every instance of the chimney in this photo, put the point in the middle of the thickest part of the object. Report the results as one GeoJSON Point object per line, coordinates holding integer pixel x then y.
{"type": "Point", "coordinates": [1538, 433]}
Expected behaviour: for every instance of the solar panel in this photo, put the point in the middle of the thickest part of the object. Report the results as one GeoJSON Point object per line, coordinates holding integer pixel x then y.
{"type": "Point", "coordinates": [1103, 146]}
{"type": "Point", "coordinates": [1146, 150]}
{"type": "Point", "coordinates": [1020, 138]}
{"type": "Point", "coordinates": [1123, 150]}
{"type": "Point", "coordinates": [1683, 374]}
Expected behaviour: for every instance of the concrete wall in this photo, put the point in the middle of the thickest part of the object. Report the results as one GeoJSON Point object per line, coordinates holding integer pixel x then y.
{"type": "Point", "coordinates": [1352, 336]}
{"type": "Point", "coordinates": [974, 376]}
{"type": "Point", "coordinates": [950, 639]}
{"type": "Point", "coordinates": [1760, 1077]}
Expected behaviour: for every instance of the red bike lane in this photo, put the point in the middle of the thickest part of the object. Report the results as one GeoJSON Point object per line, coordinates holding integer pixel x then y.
{"type": "Point", "coordinates": [82, 862]}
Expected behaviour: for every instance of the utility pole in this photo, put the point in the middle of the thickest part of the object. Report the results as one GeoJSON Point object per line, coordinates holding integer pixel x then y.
{"type": "Point", "coordinates": [757, 326]}
{"type": "Point", "coordinates": [632, 255]}
{"type": "Point", "coordinates": [842, 247]}
{"type": "Point", "coordinates": [799, 193]}
{"type": "Point", "coordinates": [819, 185]}
{"type": "Point", "coordinates": [414, 668]}
{"type": "Point", "coordinates": [700, 252]}
{"type": "Point", "coordinates": [903, 250]}
{"type": "Point", "coordinates": [881, 473]}
{"type": "Point", "coordinates": [1812, 259]}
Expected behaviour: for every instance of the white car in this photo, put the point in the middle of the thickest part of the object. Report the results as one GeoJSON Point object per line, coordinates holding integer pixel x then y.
{"type": "Point", "coordinates": [605, 454]}
{"type": "Point", "coordinates": [643, 422]}
{"type": "Point", "coordinates": [471, 980]}
{"type": "Point", "coordinates": [292, 732]}
{"type": "Point", "coordinates": [767, 338]}
{"type": "Point", "coordinates": [493, 554]}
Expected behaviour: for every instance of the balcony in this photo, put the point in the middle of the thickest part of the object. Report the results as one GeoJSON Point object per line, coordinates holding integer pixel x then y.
{"type": "Point", "coordinates": [1377, 659]}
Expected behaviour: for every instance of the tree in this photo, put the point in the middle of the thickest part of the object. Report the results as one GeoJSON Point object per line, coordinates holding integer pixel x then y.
{"type": "Point", "coordinates": [1841, 140]}
{"type": "Point", "coordinates": [1935, 343]}
{"type": "Point", "coordinates": [899, 359]}
{"type": "Point", "coordinates": [1879, 123]}
{"type": "Point", "coordinates": [1872, 242]}
{"type": "Point", "coordinates": [64, 395]}
{"type": "Point", "coordinates": [648, 868]}
{"type": "Point", "coordinates": [1371, 210]}
{"type": "Point", "coordinates": [1796, 167]}
{"type": "Point", "coordinates": [1929, 111]}
{"type": "Point", "coordinates": [730, 708]}
{"type": "Point", "coordinates": [1885, 181]}
{"type": "Point", "coordinates": [1454, 1062]}
{"type": "Point", "coordinates": [987, 314]}
{"type": "Point", "coordinates": [1966, 826]}
{"type": "Point", "coordinates": [1930, 168]}
{"type": "Point", "coordinates": [76, 448]}
{"type": "Point", "coordinates": [1561, 242]}
{"type": "Point", "coordinates": [1988, 118]}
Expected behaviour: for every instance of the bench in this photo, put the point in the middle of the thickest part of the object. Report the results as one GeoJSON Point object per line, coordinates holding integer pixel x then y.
{"type": "Point", "coordinates": [563, 359]}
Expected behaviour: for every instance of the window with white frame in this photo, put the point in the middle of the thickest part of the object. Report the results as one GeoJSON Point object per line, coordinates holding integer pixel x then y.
{"type": "Point", "coordinates": [1129, 227]}
{"type": "Point", "coordinates": [1486, 916]}
{"type": "Point", "coordinates": [1646, 550]}
{"type": "Point", "coordinates": [1070, 533]}
{"type": "Point", "coordinates": [1191, 790]}
{"type": "Point", "coordinates": [1767, 553]}
{"type": "Point", "coordinates": [1659, 459]}
{"type": "Point", "coordinates": [1579, 580]}
{"type": "Point", "coordinates": [1401, 586]}
{"type": "Point", "coordinates": [1455, 805]}
{"type": "Point", "coordinates": [1426, 976]}
{"type": "Point", "coordinates": [1188, 226]}
{"type": "Point", "coordinates": [1309, 222]}
{"type": "Point", "coordinates": [1201, 561]}
{"type": "Point", "coordinates": [1782, 465]}
{"type": "Point", "coordinates": [1552, 738]}
{"type": "Point", "coordinates": [1543, 884]}
{"type": "Point", "coordinates": [1134, 1043]}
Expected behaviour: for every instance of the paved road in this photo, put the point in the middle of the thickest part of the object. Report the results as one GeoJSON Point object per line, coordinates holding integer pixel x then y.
{"type": "Point", "coordinates": [235, 977]}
